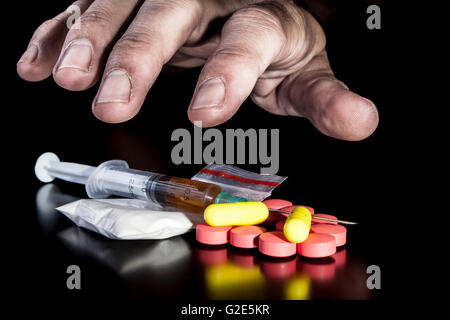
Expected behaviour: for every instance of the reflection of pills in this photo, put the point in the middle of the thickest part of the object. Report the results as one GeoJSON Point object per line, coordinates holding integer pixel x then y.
{"type": "Point", "coordinates": [277, 268]}
{"type": "Point", "coordinates": [243, 258]}
{"type": "Point", "coordinates": [279, 226]}
{"type": "Point", "coordinates": [277, 203]}
{"type": "Point", "coordinates": [320, 270]}
{"type": "Point", "coordinates": [317, 245]}
{"type": "Point", "coordinates": [337, 231]}
{"type": "Point", "coordinates": [323, 215]}
{"type": "Point", "coordinates": [245, 236]}
{"type": "Point", "coordinates": [290, 208]}
{"type": "Point", "coordinates": [340, 257]}
{"type": "Point", "coordinates": [212, 256]}
{"type": "Point", "coordinates": [212, 235]}
{"type": "Point", "coordinates": [275, 244]}
{"type": "Point", "coordinates": [298, 288]}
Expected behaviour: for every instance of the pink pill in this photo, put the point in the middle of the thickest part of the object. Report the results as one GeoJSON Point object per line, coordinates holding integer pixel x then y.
{"type": "Point", "coordinates": [279, 226]}
{"type": "Point", "coordinates": [323, 215]}
{"type": "Point", "coordinates": [277, 203]}
{"type": "Point", "coordinates": [337, 231]}
{"type": "Point", "coordinates": [212, 235]}
{"type": "Point", "coordinates": [317, 245]}
{"type": "Point", "coordinates": [290, 208]}
{"type": "Point", "coordinates": [274, 244]}
{"type": "Point", "coordinates": [245, 236]}
{"type": "Point", "coordinates": [279, 269]}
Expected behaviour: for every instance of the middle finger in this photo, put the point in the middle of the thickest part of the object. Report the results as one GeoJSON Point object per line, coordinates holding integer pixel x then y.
{"type": "Point", "coordinates": [158, 31]}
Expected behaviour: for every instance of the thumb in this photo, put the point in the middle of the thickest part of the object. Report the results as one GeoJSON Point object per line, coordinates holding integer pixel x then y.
{"type": "Point", "coordinates": [331, 107]}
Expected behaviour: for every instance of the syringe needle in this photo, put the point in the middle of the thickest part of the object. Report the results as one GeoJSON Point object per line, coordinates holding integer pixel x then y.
{"type": "Point", "coordinates": [320, 218]}
{"type": "Point", "coordinates": [334, 220]}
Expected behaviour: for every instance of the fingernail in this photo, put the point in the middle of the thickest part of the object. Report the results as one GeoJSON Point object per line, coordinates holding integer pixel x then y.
{"type": "Point", "coordinates": [30, 54]}
{"type": "Point", "coordinates": [78, 55]}
{"type": "Point", "coordinates": [115, 88]}
{"type": "Point", "coordinates": [210, 94]}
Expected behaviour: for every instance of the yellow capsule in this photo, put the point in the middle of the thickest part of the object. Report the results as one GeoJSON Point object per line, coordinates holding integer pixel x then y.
{"type": "Point", "coordinates": [296, 228]}
{"type": "Point", "coordinates": [236, 214]}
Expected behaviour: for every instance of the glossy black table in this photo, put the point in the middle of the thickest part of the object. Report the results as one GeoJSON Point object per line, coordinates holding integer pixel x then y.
{"type": "Point", "coordinates": [180, 267]}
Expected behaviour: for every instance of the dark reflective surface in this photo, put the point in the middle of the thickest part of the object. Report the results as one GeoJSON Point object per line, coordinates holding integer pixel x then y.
{"type": "Point", "coordinates": [180, 266]}
{"type": "Point", "coordinates": [357, 181]}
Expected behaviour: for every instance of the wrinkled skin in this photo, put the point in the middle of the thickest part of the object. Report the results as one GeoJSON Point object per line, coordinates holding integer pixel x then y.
{"type": "Point", "coordinates": [272, 51]}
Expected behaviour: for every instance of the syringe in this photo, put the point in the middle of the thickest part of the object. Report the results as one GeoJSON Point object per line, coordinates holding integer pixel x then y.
{"type": "Point", "coordinates": [116, 178]}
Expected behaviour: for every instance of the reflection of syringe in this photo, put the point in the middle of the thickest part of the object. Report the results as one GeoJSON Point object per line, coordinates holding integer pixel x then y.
{"type": "Point", "coordinates": [116, 178]}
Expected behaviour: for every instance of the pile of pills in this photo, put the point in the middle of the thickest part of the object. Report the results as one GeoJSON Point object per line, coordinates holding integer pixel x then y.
{"type": "Point", "coordinates": [259, 228]}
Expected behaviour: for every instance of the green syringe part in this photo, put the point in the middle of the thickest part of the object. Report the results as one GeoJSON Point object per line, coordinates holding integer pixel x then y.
{"type": "Point", "coordinates": [225, 197]}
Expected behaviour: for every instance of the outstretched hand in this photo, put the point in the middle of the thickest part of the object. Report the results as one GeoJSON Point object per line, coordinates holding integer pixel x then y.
{"type": "Point", "coordinates": [272, 51]}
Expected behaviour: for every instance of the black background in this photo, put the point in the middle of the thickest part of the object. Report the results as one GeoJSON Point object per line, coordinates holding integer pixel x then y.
{"type": "Point", "coordinates": [358, 181]}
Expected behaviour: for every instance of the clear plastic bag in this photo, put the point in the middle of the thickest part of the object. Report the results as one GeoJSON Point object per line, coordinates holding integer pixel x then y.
{"type": "Point", "coordinates": [240, 182]}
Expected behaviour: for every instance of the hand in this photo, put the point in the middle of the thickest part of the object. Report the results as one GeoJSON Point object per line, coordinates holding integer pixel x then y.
{"type": "Point", "coordinates": [273, 51]}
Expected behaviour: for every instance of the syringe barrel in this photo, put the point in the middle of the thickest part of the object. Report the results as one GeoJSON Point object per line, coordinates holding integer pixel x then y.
{"type": "Point", "coordinates": [170, 191]}
{"type": "Point", "coordinates": [114, 177]}
{"type": "Point", "coordinates": [73, 172]}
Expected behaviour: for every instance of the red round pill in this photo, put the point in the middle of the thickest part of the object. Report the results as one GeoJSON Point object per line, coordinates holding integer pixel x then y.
{"type": "Point", "coordinates": [290, 208]}
{"type": "Point", "coordinates": [317, 245]}
{"type": "Point", "coordinates": [277, 203]}
{"type": "Point", "coordinates": [212, 235]}
{"type": "Point", "coordinates": [275, 244]}
{"type": "Point", "coordinates": [337, 231]}
{"type": "Point", "coordinates": [323, 215]}
{"type": "Point", "coordinates": [245, 236]}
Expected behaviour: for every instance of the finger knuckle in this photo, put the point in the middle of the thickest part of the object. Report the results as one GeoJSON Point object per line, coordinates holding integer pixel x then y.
{"type": "Point", "coordinates": [231, 52]}
{"type": "Point", "coordinates": [132, 45]}
{"type": "Point", "coordinates": [239, 57]}
{"type": "Point", "coordinates": [191, 5]}
{"type": "Point", "coordinates": [134, 40]}
{"type": "Point", "coordinates": [47, 25]}
{"type": "Point", "coordinates": [96, 15]}
{"type": "Point", "coordinates": [268, 19]}
{"type": "Point", "coordinates": [269, 12]}
{"type": "Point", "coordinates": [161, 6]}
